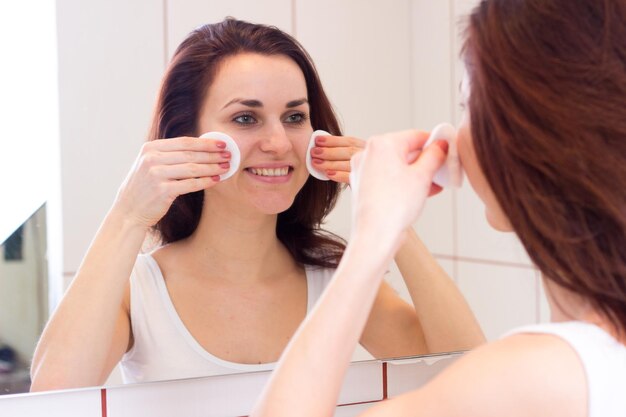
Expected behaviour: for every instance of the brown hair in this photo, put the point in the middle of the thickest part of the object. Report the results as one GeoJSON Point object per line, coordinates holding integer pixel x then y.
{"type": "Point", "coordinates": [548, 120]}
{"type": "Point", "coordinates": [183, 90]}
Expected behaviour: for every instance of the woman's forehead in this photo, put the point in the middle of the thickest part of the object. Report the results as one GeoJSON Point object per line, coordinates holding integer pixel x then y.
{"type": "Point", "coordinates": [270, 79]}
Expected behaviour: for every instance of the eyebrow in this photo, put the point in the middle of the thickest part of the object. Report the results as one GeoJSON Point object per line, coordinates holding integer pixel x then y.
{"type": "Point", "coordinates": [257, 103]}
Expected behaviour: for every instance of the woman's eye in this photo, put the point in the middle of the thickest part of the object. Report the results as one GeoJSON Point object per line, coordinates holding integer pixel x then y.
{"type": "Point", "coordinates": [245, 119]}
{"type": "Point", "coordinates": [297, 118]}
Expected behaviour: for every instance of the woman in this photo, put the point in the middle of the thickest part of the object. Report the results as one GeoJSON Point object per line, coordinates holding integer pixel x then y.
{"type": "Point", "coordinates": [242, 260]}
{"type": "Point", "coordinates": [543, 144]}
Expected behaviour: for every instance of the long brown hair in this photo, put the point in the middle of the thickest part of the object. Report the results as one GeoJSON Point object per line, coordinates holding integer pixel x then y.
{"type": "Point", "coordinates": [548, 120]}
{"type": "Point", "coordinates": [182, 93]}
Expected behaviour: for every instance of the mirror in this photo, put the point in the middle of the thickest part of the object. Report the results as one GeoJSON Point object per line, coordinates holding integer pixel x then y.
{"type": "Point", "coordinates": [23, 300]}
{"type": "Point", "coordinates": [111, 55]}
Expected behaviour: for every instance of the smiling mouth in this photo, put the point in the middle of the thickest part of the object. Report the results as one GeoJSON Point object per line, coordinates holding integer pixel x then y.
{"type": "Point", "coordinates": [270, 172]}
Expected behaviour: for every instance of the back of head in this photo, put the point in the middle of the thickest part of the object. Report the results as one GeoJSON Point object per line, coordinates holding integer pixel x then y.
{"type": "Point", "coordinates": [548, 120]}
{"type": "Point", "coordinates": [184, 87]}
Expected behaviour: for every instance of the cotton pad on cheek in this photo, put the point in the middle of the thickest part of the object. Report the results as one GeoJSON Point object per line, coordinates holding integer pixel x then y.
{"type": "Point", "coordinates": [319, 174]}
{"type": "Point", "coordinates": [451, 172]}
{"type": "Point", "coordinates": [231, 146]}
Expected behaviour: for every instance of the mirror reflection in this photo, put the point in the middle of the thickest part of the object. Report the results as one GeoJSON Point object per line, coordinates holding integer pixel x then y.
{"type": "Point", "coordinates": [240, 261]}
{"type": "Point", "coordinates": [109, 77]}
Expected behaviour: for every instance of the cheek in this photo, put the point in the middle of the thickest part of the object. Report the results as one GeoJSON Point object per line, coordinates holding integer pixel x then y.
{"type": "Point", "coordinates": [300, 142]}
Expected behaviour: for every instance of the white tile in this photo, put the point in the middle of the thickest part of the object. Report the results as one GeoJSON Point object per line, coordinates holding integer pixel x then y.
{"type": "Point", "coordinates": [409, 374]}
{"type": "Point", "coordinates": [232, 395]}
{"type": "Point", "coordinates": [435, 225]}
{"type": "Point", "coordinates": [226, 395]}
{"type": "Point", "coordinates": [432, 69]}
{"type": "Point", "coordinates": [501, 297]}
{"type": "Point", "coordinates": [111, 60]}
{"type": "Point", "coordinates": [71, 403]}
{"type": "Point", "coordinates": [363, 53]}
{"type": "Point", "coordinates": [183, 17]}
{"type": "Point", "coordinates": [478, 240]}
{"type": "Point", "coordinates": [363, 383]}
{"type": "Point", "coordinates": [544, 306]}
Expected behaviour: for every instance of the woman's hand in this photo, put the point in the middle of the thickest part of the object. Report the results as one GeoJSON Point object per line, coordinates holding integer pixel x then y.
{"type": "Point", "coordinates": [391, 180]}
{"type": "Point", "coordinates": [332, 154]}
{"type": "Point", "coordinates": [165, 169]}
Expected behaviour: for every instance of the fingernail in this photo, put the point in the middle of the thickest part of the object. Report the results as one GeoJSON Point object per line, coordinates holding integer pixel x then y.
{"type": "Point", "coordinates": [225, 165]}
{"type": "Point", "coordinates": [320, 139]}
{"type": "Point", "coordinates": [317, 161]}
{"type": "Point", "coordinates": [225, 154]}
{"type": "Point", "coordinates": [330, 173]}
{"type": "Point", "coordinates": [216, 178]}
{"type": "Point", "coordinates": [220, 144]}
{"type": "Point", "coordinates": [318, 151]}
{"type": "Point", "coordinates": [443, 145]}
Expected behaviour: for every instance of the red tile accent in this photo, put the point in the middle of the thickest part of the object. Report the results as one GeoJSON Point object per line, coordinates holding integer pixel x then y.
{"type": "Point", "coordinates": [384, 380]}
{"type": "Point", "coordinates": [103, 401]}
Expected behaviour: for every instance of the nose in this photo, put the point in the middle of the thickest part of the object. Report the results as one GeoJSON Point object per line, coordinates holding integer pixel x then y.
{"type": "Point", "coordinates": [275, 140]}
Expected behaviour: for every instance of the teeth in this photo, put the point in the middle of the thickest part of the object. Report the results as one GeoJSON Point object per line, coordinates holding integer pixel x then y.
{"type": "Point", "coordinates": [270, 172]}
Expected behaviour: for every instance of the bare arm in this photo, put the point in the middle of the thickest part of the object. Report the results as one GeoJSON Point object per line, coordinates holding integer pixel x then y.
{"type": "Point", "coordinates": [440, 319]}
{"type": "Point", "coordinates": [90, 321]}
{"type": "Point", "coordinates": [90, 330]}
{"type": "Point", "coordinates": [446, 319]}
{"type": "Point", "coordinates": [321, 348]}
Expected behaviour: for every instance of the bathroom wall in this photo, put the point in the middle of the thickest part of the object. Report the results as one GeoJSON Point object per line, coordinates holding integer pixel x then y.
{"type": "Point", "coordinates": [385, 65]}
{"type": "Point", "coordinates": [365, 384]}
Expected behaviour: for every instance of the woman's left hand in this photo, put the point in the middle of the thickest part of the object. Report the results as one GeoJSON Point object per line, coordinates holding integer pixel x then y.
{"type": "Point", "coordinates": [332, 155]}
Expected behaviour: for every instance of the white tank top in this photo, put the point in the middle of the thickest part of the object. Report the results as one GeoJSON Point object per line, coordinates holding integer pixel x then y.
{"type": "Point", "coordinates": [163, 348]}
{"type": "Point", "coordinates": [603, 359]}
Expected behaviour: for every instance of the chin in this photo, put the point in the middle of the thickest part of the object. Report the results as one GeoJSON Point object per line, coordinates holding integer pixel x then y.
{"type": "Point", "coordinates": [274, 205]}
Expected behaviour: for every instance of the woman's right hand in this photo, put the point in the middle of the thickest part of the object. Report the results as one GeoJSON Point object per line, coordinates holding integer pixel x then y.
{"type": "Point", "coordinates": [165, 169]}
{"type": "Point", "coordinates": [391, 180]}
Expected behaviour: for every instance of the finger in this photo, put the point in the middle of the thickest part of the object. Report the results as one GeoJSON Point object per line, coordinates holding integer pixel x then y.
{"type": "Point", "coordinates": [339, 141]}
{"type": "Point", "coordinates": [186, 171]}
{"type": "Point", "coordinates": [334, 154]}
{"type": "Point", "coordinates": [431, 159]}
{"type": "Point", "coordinates": [187, 144]}
{"type": "Point", "coordinates": [332, 165]}
{"type": "Point", "coordinates": [434, 190]}
{"type": "Point", "coordinates": [191, 185]}
{"type": "Point", "coordinates": [339, 176]}
{"type": "Point", "coordinates": [180, 157]}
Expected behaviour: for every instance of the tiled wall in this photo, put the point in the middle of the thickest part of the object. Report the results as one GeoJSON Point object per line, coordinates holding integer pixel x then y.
{"type": "Point", "coordinates": [366, 384]}
{"type": "Point", "coordinates": [386, 66]}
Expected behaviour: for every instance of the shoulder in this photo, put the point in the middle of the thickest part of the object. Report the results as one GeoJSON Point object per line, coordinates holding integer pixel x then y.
{"type": "Point", "coordinates": [520, 375]}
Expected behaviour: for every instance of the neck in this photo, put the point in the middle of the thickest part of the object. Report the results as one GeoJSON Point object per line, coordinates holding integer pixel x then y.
{"type": "Point", "coordinates": [238, 244]}
{"type": "Point", "coordinates": [566, 306]}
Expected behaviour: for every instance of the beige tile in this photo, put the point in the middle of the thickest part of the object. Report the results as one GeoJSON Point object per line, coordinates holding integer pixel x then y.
{"type": "Point", "coordinates": [477, 240]}
{"type": "Point", "coordinates": [501, 297]}
{"type": "Point", "coordinates": [363, 53]}
{"type": "Point", "coordinates": [110, 63]}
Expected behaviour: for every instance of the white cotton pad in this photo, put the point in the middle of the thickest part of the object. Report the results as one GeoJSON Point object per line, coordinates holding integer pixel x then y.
{"type": "Point", "coordinates": [309, 160]}
{"type": "Point", "coordinates": [231, 146]}
{"type": "Point", "coordinates": [451, 173]}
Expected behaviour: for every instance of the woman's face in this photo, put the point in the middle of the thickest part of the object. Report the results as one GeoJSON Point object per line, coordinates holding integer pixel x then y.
{"type": "Point", "coordinates": [493, 212]}
{"type": "Point", "coordinates": [261, 101]}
